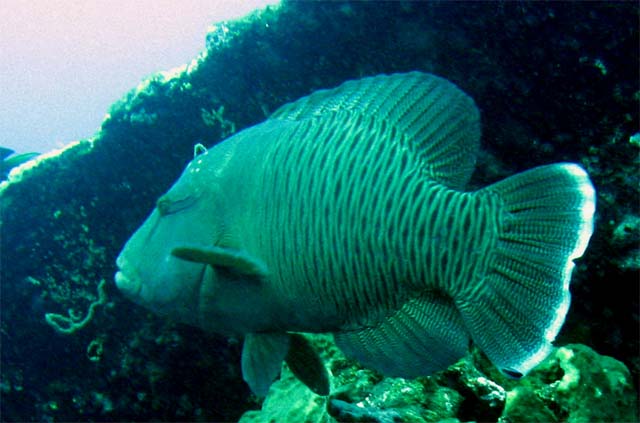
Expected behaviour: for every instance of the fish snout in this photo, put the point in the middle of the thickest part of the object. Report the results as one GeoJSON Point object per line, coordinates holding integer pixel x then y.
{"type": "Point", "coordinates": [126, 282]}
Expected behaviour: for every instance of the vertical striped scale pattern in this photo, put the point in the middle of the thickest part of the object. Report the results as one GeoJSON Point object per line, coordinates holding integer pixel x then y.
{"type": "Point", "coordinates": [354, 228]}
{"type": "Point", "coordinates": [335, 240]}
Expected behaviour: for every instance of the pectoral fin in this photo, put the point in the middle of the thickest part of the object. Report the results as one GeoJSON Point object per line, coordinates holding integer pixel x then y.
{"type": "Point", "coordinates": [262, 356]}
{"type": "Point", "coordinates": [238, 260]}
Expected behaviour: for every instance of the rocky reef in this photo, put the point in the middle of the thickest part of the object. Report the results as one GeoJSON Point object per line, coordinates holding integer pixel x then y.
{"type": "Point", "coordinates": [554, 82]}
{"type": "Point", "coordinates": [574, 384]}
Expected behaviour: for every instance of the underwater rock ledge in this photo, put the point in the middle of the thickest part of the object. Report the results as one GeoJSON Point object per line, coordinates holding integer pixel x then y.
{"type": "Point", "coordinates": [554, 82]}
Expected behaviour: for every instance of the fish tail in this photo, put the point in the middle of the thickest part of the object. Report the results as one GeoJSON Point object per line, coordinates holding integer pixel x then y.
{"type": "Point", "coordinates": [545, 222]}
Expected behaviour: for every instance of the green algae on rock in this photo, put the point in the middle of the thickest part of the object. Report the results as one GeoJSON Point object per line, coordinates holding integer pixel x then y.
{"type": "Point", "coordinates": [574, 384]}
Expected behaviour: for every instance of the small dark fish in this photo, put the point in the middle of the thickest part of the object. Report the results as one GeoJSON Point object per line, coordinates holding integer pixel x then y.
{"type": "Point", "coordinates": [9, 162]}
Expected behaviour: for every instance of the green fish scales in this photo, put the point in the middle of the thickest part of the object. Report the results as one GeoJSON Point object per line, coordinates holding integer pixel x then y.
{"type": "Point", "coordinates": [375, 231]}
{"type": "Point", "coordinates": [346, 212]}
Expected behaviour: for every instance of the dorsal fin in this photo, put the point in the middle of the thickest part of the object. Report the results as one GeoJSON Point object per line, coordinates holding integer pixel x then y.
{"type": "Point", "coordinates": [429, 115]}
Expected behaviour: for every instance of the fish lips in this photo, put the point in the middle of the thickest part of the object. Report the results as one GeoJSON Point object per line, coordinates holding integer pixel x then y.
{"type": "Point", "coordinates": [126, 280]}
{"type": "Point", "coordinates": [170, 294]}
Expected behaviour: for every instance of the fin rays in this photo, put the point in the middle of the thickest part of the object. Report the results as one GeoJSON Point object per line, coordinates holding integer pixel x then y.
{"type": "Point", "coordinates": [545, 215]}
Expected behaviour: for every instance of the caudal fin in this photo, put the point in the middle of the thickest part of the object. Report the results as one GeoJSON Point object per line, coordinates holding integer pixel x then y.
{"type": "Point", "coordinates": [545, 223]}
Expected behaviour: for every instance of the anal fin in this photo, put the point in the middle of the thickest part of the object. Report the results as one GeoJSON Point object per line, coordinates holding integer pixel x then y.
{"type": "Point", "coordinates": [424, 336]}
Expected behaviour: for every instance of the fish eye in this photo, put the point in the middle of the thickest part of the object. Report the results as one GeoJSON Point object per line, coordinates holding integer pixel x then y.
{"type": "Point", "coordinates": [166, 205]}
{"type": "Point", "coordinates": [163, 205]}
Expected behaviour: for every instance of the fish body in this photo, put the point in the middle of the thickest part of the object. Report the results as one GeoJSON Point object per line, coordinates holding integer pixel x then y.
{"type": "Point", "coordinates": [345, 212]}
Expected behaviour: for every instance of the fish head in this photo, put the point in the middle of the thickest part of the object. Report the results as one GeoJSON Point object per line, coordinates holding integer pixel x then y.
{"type": "Point", "coordinates": [149, 273]}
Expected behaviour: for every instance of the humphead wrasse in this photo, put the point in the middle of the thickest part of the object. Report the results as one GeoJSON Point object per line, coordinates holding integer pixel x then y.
{"type": "Point", "coordinates": [345, 212]}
